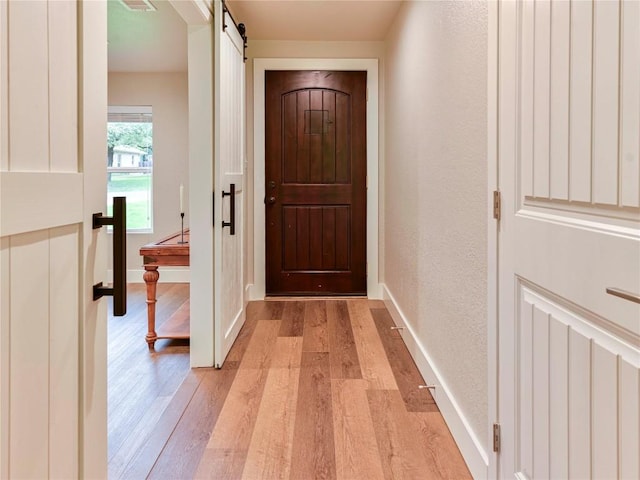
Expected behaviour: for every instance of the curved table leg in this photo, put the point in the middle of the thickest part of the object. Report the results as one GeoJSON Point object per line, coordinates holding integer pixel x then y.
{"type": "Point", "coordinates": [150, 277]}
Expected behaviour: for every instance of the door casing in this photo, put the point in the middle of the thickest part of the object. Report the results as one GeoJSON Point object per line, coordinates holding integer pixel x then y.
{"type": "Point", "coordinates": [492, 233]}
{"type": "Point", "coordinates": [201, 152]}
{"type": "Point", "coordinates": [256, 291]}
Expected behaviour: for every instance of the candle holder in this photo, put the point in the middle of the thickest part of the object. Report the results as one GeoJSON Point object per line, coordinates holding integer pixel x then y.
{"type": "Point", "coordinates": [182, 242]}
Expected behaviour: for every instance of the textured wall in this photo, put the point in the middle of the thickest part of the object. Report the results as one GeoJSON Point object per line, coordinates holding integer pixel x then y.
{"type": "Point", "coordinates": [167, 93]}
{"type": "Point", "coordinates": [435, 187]}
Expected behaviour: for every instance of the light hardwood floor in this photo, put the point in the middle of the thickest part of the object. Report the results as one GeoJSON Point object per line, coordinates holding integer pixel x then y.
{"type": "Point", "coordinates": [312, 389]}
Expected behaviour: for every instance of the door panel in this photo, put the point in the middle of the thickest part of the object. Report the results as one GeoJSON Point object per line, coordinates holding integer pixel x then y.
{"type": "Point", "coordinates": [313, 238]}
{"type": "Point", "coordinates": [49, 187]}
{"type": "Point", "coordinates": [229, 170]}
{"type": "Point", "coordinates": [64, 243]}
{"type": "Point", "coordinates": [316, 182]}
{"type": "Point", "coordinates": [629, 101]}
{"type": "Point", "coordinates": [29, 384]}
{"type": "Point", "coordinates": [571, 379]}
{"type": "Point", "coordinates": [44, 401]}
{"type": "Point", "coordinates": [570, 228]}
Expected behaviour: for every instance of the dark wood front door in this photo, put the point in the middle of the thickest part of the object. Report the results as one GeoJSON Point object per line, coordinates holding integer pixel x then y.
{"type": "Point", "coordinates": [316, 190]}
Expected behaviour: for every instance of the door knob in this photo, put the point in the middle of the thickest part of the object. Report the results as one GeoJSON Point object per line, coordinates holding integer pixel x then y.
{"type": "Point", "coordinates": [272, 200]}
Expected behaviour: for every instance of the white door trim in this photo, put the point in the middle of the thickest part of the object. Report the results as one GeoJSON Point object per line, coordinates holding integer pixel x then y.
{"type": "Point", "coordinates": [198, 18]}
{"type": "Point", "coordinates": [492, 233]}
{"type": "Point", "coordinates": [260, 65]}
{"type": "Point", "coordinates": [201, 153]}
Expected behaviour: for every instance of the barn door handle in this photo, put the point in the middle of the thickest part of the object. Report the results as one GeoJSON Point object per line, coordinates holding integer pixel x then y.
{"type": "Point", "coordinates": [632, 297]}
{"type": "Point", "coordinates": [119, 289]}
{"type": "Point", "coordinates": [232, 209]}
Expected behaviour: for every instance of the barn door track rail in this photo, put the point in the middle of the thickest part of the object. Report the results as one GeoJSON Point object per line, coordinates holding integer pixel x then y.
{"type": "Point", "coordinates": [242, 29]}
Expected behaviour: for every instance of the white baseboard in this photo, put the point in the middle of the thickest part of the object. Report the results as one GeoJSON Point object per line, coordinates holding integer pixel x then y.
{"type": "Point", "coordinates": [167, 275]}
{"type": "Point", "coordinates": [375, 291]}
{"type": "Point", "coordinates": [470, 446]}
{"type": "Point", "coordinates": [247, 294]}
{"type": "Point", "coordinates": [253, 293]}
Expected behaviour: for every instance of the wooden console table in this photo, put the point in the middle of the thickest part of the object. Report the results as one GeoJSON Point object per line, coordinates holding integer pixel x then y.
{"type": "Point", "coordinates": [166, 252]}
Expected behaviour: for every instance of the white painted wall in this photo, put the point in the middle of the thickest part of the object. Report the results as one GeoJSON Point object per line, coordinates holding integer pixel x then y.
{"type": "Point", "coordinates": [294, 49]}
{"type": "Point", "coordinates": [435, 209]}
{"type": "Point", "coordinates": [167, 93]}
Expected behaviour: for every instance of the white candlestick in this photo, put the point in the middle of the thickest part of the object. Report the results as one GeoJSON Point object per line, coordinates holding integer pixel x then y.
{"type": "Point", "coordinates": [181, 198]}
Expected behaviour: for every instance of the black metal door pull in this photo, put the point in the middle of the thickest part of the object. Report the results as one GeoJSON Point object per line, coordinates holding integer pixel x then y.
{"type": "Point", "coordinates": [119, 289]}
{"type": "Point", "coordinates": [232, 209]}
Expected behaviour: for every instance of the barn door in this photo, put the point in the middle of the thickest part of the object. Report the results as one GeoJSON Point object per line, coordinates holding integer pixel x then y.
{"type": "Point", "coordinates": [53, 71]}
{"type": "Point", "coordinates": [316, 192]}
{"type": "Point", "coordinates": [569, 236]}
{"type": "Point", "coordinates": [229, 182]}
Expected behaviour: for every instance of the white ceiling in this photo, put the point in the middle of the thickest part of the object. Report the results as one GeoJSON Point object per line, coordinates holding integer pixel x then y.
{"type": "Point", "coordinates": [326, 20]}
{"type": "Point", "coordinates": [157, 41]}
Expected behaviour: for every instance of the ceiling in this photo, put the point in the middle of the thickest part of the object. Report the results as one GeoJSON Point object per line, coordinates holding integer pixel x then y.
{"type": "Point", "coordinates": [157, 41]}
{"type": "Point", "coordinates": [326, 20]}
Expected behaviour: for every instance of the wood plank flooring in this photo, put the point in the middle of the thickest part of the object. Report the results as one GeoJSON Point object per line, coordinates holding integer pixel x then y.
{"type": "Point", "coordinates": [143, 387]}
{"type": "Point", "coordinates": [312, 389]}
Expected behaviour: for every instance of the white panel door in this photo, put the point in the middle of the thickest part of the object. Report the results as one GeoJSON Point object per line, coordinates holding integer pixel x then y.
{"type": "Point", "coordinates": [569, 163]}
{"type": "Point", "coordinates": [52, 178]}
{"type": "Point", "coordinates": [229, 183]}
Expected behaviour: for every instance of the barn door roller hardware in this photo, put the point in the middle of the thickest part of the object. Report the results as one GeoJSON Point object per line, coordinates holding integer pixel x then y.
{"type": "Point", "coordinates": [242, 30]}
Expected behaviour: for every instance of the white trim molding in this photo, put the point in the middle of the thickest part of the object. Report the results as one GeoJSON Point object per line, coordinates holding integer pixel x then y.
{"type": "Point", "coordinates": [201, 153]}
{"type": "Point", "coordinates": [470, 445]}
{"type": "Point", "coordinates": [194, 12]}
{"type": "Point", "coordinates": [260, 66]}
{"type": "Point", "coordinates": [492, 231]}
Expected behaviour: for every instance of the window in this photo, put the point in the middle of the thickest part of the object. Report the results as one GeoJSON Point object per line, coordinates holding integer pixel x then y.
{"type": "Point", "coordinates": [130, 164]}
